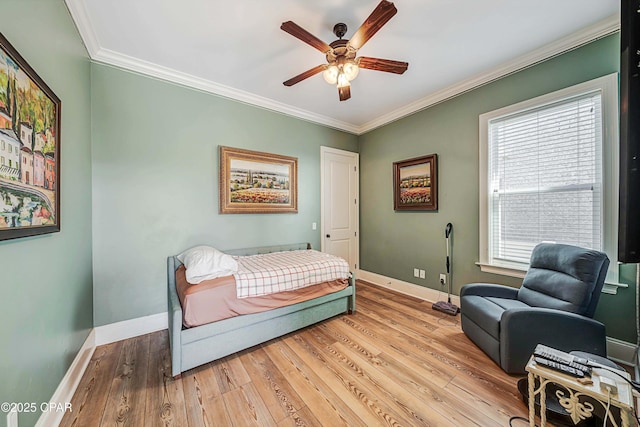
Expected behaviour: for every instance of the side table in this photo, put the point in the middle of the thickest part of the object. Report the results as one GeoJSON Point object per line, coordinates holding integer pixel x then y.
{"type": "Point", "coordinates": [577, 408]}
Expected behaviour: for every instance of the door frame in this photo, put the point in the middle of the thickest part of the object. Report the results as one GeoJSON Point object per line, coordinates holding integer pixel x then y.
{"type": "Point", "coordinates": [328, 150]}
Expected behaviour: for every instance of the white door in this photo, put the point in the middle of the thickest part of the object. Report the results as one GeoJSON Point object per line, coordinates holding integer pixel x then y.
{"type": "Point", "coordinates": [339, 204]}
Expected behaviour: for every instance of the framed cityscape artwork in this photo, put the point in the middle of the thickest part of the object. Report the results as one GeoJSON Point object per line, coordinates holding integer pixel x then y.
{"type": "Point", "coordinates": [29, 149]}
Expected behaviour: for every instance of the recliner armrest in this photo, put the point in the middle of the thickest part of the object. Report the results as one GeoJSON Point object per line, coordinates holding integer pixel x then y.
{"type": "Point", "coordinates": [489, 290]}
{"type": "Point", "coordinates": [522, 329]}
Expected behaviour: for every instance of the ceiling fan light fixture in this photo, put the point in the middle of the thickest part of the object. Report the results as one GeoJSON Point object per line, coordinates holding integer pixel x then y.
{"type": "Point", "coordinates": [341, 73]}
{"type": "Point", "coordinates": [343, 80]}
{"type": "Point", "coordinates": [331, 74]}
{"type": "Point", "coordinates": [350, 70]}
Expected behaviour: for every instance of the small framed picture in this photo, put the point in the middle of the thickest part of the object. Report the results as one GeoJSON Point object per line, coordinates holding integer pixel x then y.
{"type": "Point", "coordinates": [415, 184]}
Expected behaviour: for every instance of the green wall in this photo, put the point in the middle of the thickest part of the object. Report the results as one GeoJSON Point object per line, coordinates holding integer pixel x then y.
{"type": "Point", "coordinates": [47, 306]}
{"type": "Point", "coordinates": [155, 183]}
{"type": "Point", "coordinates": [393, 243]}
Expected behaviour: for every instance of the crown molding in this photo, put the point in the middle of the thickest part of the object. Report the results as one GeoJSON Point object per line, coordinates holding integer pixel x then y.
{"type": "Point", "coordinates": [80, 17]}
{"type": "Point", "coordinates": [119, 60]}
{"type": "Point", "coordinates": [98, 54]}
{"type": "Point", "coordinates": [587, 35]}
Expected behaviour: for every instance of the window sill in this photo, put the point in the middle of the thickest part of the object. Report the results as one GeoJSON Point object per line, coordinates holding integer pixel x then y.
{"type": "Point", "coordinates": [610, 286]}
{"type": "Point", "coordinates": [511, 270]}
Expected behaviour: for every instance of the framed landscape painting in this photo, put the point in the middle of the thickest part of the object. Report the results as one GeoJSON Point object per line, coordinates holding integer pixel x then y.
{"type": "Point", "coordinates": [415, 184]}
{"type": "Point", "coordinates": [256, 182]}
{"type": "Point", "coordinates": [29, 149]}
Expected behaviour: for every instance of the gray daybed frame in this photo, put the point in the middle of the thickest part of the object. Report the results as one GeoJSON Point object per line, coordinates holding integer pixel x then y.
{"type": "Point", "coordinates": [191, 347]}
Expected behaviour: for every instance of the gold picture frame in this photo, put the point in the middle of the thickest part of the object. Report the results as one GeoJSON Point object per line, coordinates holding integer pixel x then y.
{"type": "Point", "coordinates": [257, 182]}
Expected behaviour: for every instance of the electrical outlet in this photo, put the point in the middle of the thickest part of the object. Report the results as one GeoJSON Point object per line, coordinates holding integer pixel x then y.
{"type": "Point", "coordinates": [443, 279]}
{"type": "Point", "coordinates": [416, 272]}
{"type": "Point", "coordinates": [12, 419]}
{"type": "Point", "coordinates": [422, 274]}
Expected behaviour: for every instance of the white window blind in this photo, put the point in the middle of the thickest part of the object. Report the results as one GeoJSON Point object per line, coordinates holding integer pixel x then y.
{"type": "Point", "coordinates": [545, 178]}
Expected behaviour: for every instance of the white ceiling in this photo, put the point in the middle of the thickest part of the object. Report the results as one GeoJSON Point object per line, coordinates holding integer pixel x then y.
{"type": "Point", "coordinates": [236, 48]}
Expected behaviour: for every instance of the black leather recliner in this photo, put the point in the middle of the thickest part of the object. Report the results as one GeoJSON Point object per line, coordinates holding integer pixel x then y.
{"type": "Point", "coordinates": [554, 307]}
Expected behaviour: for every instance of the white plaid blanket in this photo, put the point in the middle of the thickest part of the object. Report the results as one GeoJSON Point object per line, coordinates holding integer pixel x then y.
{"type": "Point", "coordinates": [285, 271]}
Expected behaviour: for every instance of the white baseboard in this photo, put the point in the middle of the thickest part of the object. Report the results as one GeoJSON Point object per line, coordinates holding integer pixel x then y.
{"type": "Point", "coordinates": [406, 288]}
{"type": "Point", "coordinates": [97, 336]}
{"type": "Point", "coordinates": [617, 350]}
{"type": "Point", "coordinates": [131, 328]}
{"type": "Point", "coordinates": [621, 351]}
{"type": "Point", "coordinates": [69, 383]}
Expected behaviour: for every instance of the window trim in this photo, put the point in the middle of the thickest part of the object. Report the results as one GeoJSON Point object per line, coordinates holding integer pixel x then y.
{"type": "Point", "coordinates": [608, 86]}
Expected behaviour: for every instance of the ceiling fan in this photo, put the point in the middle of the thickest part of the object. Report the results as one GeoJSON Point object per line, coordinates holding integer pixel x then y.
{"type": "Point", "coordinates": [342, 64]}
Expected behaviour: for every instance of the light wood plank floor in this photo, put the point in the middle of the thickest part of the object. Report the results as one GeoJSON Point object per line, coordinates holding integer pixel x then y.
{"type": "Point", "coordinates": [395, 362]}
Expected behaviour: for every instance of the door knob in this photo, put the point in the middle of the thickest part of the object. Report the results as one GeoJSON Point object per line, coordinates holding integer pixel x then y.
{"type": "Point", "coordinates": [328, 236]}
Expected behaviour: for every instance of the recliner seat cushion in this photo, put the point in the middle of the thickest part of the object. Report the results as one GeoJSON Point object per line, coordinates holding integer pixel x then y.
{"type": "Point", "coordinates": [486, 312]}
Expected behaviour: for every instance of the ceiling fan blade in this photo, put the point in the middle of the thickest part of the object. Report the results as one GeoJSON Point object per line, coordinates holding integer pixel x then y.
{"type": "Point", "coordinates": [386, 65]}
{"type": "Point", "coordinates": [300, 33]}
{"type": "Point", "coordinates": [300, 77]}
{"type": "Point", "coordinates": [344, 92]}
{"type": "Point", "coordinates": [380, 16]}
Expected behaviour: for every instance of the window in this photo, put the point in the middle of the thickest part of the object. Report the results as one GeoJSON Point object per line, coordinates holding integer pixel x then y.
{"type": "Point", "coordinates": [548, 173]}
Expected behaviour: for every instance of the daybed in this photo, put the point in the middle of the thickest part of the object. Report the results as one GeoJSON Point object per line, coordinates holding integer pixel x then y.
{"type": "Point", "coordinates": [194, 346]}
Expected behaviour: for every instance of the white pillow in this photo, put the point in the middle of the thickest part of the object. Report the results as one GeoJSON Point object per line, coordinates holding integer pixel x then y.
{"type": "Point", "coordinates": [204, 263]}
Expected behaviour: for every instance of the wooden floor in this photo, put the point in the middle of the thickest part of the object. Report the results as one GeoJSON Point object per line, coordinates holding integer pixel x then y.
{"type": "Point", "coordinates": [395, 362]}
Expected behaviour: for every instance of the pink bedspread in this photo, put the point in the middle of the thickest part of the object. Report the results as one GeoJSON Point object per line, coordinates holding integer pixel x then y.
{"type": "Point", "coordinates": [216, 299]}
